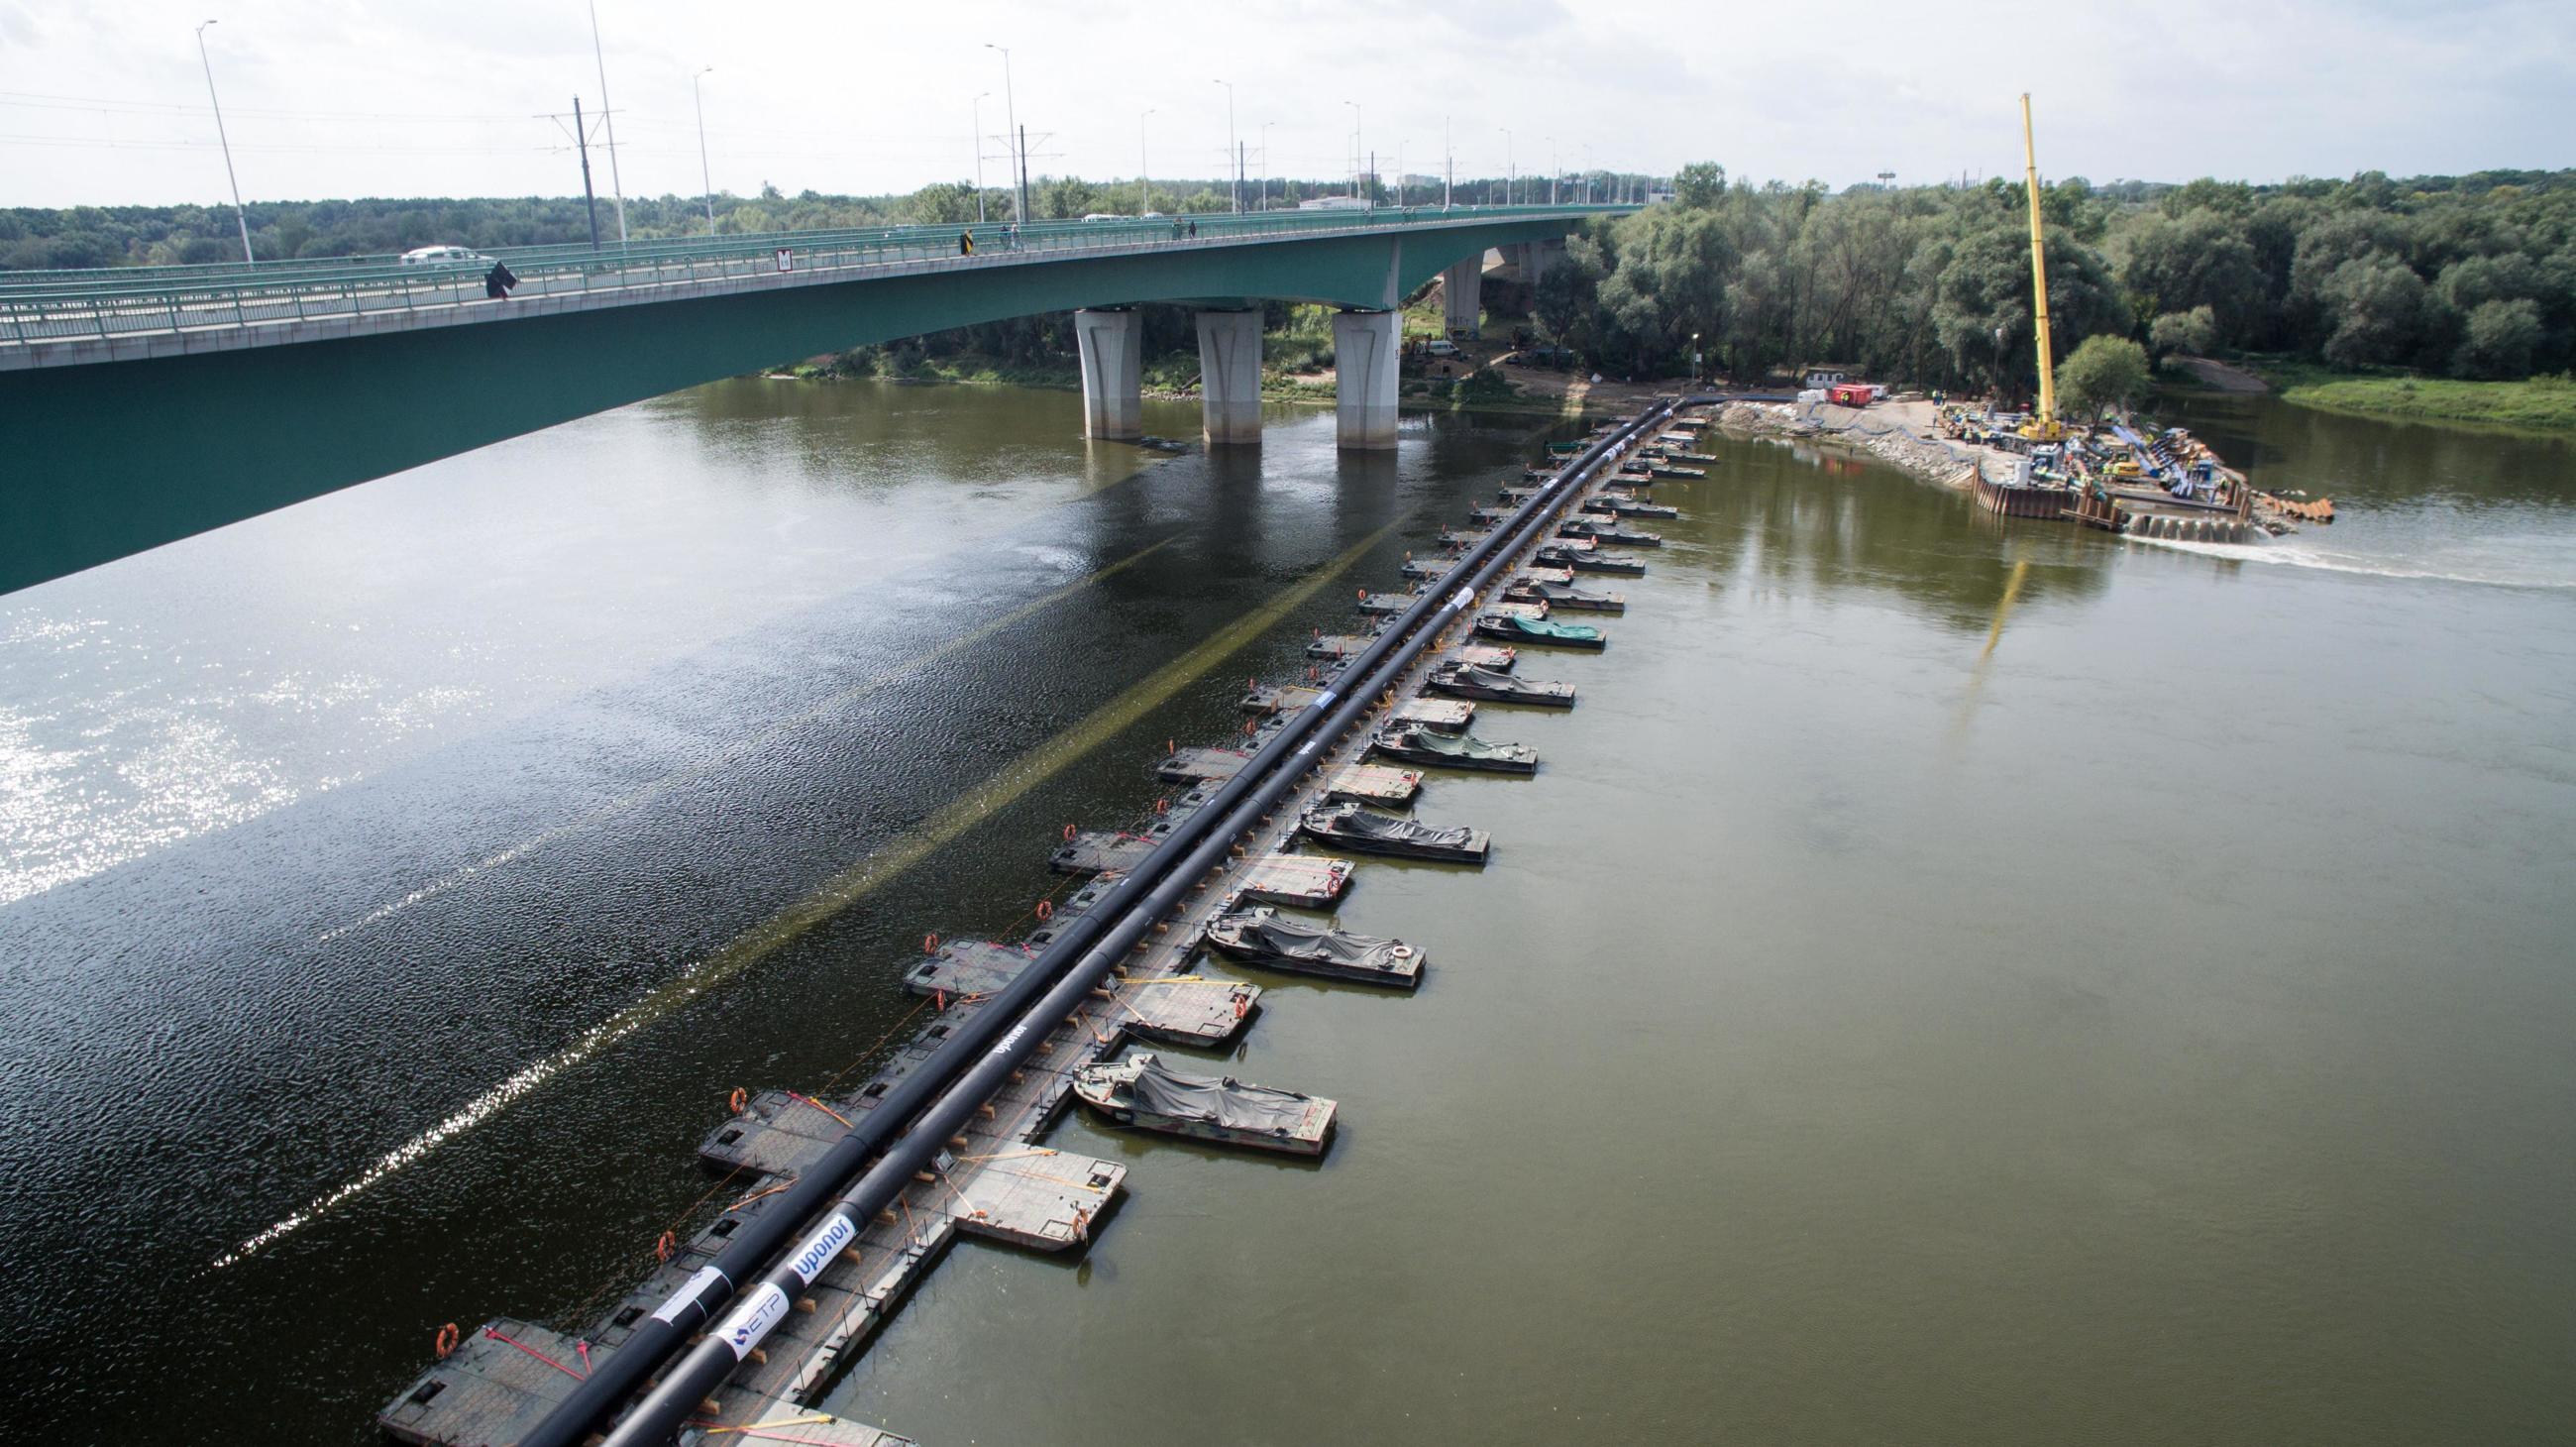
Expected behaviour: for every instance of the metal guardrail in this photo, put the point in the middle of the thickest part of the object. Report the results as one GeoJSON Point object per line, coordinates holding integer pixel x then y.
{"type": "Point", "coordinates": [104, 304]}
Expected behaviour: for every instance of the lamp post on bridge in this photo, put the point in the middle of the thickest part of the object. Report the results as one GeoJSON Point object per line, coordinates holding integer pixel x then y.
{"type": "Point", "coordinates": [1144, 186]}
{"type": "Point", "coordinates": [1265, 165]}
{"type": "Point", "coordinates": [1448, 167]}
{"type": "Point", "coordinates": [1019, 163]}
{"type": "Point", "coordinates": [706, 177]}
{"type": "Point", "coordinates": [1555, 169]}
{"type": "Point", "coordinates": [1511, 171]}
{"type": "Point", "coordinates": [978, 103]}
{"type": "Point", "coordinates": [240, 216]}
{"type": "Point", "coordinates": [1233, 157]}
{"type": "Point", "coordinates": [1355, 148]}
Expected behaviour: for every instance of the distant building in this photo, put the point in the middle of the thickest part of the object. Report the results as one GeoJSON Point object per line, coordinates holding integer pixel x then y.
{"type": "Point", "coordinates": [1826, 374]}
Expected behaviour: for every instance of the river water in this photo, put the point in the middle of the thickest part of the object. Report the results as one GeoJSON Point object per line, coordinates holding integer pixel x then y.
{"type": "Point", "coordinates": [1952, 979]}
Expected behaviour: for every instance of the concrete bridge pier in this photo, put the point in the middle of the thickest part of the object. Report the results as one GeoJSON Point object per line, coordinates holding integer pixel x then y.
{"type": "Point", "coordinates": [1462, 297]}
{"type": "Point", "coordinates": [1112, 344]}
{"type": "Point", "coordinates": [1365, 356]}
{"type": "Point", "coordinates": [1229, 376]}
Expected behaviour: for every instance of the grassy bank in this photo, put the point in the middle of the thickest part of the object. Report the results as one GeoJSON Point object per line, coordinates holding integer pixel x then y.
{"type": "Point", "coordinates": [2537, 402]}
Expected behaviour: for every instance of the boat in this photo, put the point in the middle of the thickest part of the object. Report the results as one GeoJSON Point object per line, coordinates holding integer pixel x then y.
{"type": "Point", "coordinates": [1516, 628]}
{"type": "Point", "coordinates": [1566, 596]}
{"type": "Point", "coordinates": [1466, 680]}
{"type": "Point", "coordinates": [1678, 455]}
{"type": "Point", "coordinates": [1666, 469]}
{"type": "Point", "coordinates": [1440, 715]}
{"type": "Point", "coordinates": [1141, 1091]}
{"type": "Point", "coordinates": [1454, 751]}
{"type": "Point", "coordinates": [1484, 655]}
{"type": "Point", "coordinates": [1620, 504]}
{"type": "Point", "coordinates": [1387, 603]}
{"type": "Point", "coordinates": [1366, 831]}
{"type": "Point", "coordinates": [1565, 449]}
{"type": "Point", "coordinates": [1424, 567]}
{"type": "Point", "coordinates": [1487, 516]}
{"type": "Point", "coordinates": [1616, 534]}
{"type": "Point", "coordinates": [1263, 936]}
{"type": "Point", "coordinates": [1588, 562]}
{"type": "Point", "coordinates": [1518, 495]}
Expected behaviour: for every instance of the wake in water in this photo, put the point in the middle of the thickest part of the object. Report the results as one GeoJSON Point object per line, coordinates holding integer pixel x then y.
{"type": "Point", "coordinates": [2518, 562]}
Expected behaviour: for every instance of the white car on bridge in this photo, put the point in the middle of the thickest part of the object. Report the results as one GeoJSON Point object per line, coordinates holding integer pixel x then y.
{"type": "Point", "coordinates": [444, 256]}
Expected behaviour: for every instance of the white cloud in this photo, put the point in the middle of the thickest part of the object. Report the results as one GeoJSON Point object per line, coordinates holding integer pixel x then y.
{"type": "Point", "coordinates": [107, 103]}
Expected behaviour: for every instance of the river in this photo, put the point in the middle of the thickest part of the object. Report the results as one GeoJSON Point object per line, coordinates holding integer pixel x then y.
{"type": "Point", "coordinates": [1951, 980]}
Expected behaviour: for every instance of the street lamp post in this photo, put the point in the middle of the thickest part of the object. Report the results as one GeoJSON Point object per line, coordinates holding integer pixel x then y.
{"type": "Point", "coordinates": [1233, 156]}
{"type": "Point", "coordinates": [1512, 171]}
{"type": "Point", "coordinates": [1265, 166]}
{"type": "Point", "coordinates": [239, 215]}
{"type": "Point", "coordinates": [706, 177]}
{"type": "Point", "coordinates": [1144, 187]}
{"type": "Point", "coordinates": [616, 185]}
{"type": "Point", "coordinates": [1555, 169]}
{"type": "Point", "coordinates": [978, 103]}
{"type": "Point", "coordinates": [1011, 118]}
{"type": "Point", "coordinates": [1355, 147]}
{"type": "Point", "coordinates": [1448, 168]}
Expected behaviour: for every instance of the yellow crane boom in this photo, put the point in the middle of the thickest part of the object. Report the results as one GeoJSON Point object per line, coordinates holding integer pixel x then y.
{"type": "Point", "coordinates": [2043, 427]}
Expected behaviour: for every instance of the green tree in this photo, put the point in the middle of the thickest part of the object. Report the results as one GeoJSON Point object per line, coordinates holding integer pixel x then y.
{"type": "Point", "coordinates": [2501, 336]}
{"type": "Point", "coordinates": [2190, 333]}
{"type": "Point", "coordinates": [2104, 373]}
{"type": "Point", "coordinates": [1699, 185]}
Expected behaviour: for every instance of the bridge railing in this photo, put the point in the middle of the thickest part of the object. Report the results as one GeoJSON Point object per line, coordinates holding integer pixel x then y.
{"type": "Point", "coordinates": [106, 303]}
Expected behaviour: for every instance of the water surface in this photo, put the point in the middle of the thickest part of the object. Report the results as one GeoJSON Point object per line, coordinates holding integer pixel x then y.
{"type": "Point", "coordinates": [1952, 979]}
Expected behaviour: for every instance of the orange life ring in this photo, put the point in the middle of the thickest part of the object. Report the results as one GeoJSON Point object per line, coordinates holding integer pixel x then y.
{"type": "Point", "coordinates": [1162, 806]}
{"type": "Point", "coordinates": [930, 944]}
{"type": "Point", "coordinates": [1251, 726]}
{"type": "Point", "coordinates": [448, 1337]}
{"type": "Point", "coordinates": [665, 1246]}
{"type": "Point", "coordinates": [1068, 833]}
{"type": "Point", "coordinates": [1046, 909]}
{"type": "Point", "coordinates": [1363, 595]}
{"type": "Point", "coordinates": [736, 1100]}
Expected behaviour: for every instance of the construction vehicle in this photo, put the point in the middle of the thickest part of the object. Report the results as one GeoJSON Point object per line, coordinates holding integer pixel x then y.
{"type": "Point", "coordinates": [2043, 425]}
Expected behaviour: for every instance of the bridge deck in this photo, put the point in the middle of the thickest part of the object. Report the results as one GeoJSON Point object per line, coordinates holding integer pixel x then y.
{"type": "Point", "coordinates": [123, 314]}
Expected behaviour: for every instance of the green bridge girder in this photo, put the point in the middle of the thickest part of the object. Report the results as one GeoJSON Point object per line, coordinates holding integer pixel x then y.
{"type": "Point", "coordinates": [106, 459]}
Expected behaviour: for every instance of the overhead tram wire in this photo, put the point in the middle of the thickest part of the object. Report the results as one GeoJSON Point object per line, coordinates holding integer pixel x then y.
{"type": "Point", "coordinates": [759, 1272]}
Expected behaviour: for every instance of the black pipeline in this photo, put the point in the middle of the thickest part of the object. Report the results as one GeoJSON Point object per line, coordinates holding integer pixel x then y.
{"type": "Point", "coordinates": [945, 1089]}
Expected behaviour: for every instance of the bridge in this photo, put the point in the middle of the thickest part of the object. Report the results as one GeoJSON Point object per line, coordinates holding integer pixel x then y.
{"type": "Point", "coordinates": [149, 404]}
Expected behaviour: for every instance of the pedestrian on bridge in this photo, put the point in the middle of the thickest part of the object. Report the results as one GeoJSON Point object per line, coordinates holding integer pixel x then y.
{"type": "Point", "coordinates": [498, 281]}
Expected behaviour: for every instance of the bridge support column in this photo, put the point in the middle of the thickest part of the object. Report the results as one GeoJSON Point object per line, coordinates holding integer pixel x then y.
{"type": "Point", "coordinates": [1535, 259]}
{"type": "Point", "coordinates": [1112, 343]}
{"type": "Point", "coordinates": [1462, 297]}
{"type": "Point", "coordinates": [1365, 355]}
{"type": "Point", "coordinates": [1230, 375]}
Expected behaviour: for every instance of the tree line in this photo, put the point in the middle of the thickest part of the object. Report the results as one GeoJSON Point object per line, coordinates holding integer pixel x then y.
{"type": "Point", "coordinates": [2470, 276]}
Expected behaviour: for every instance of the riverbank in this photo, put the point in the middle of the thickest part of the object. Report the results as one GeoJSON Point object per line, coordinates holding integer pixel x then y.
{"type": "Point", "coordinates": [2545, 403]}
{"type": "Point", "coordinates": [1896, 432]}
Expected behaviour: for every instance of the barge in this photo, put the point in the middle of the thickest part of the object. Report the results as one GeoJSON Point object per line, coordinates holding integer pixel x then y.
{"type": "Point", "coordinates": [1518, 629]}
{"type": "Point", "coordinates": [1141, 1091]}
{"type": "Point", "coordinates": [1465, 680]}
{"type": "Point", "coordinates": [1366, 831]}
{"type": "Point", "coordinates": [1272, 940]}
{"type": "Point", "coordinates": [1454, 751]}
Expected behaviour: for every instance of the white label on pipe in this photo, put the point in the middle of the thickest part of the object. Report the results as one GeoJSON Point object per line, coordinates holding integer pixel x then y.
{"type": "Point", "coordinates": [827, 1239]}
{"type": "Point", "coordinates": [687, 1296]}
{"type": "Point", "coordinates": [752, 1320]}
{"type": "Point", "coordinates": [1325, 699]}
{"type": "Point", "coordinates": [1463, 599]}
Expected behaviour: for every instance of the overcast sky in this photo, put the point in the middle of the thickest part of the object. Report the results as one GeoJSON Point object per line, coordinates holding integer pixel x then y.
{"type": "Point", "coordinates": [106, 103]}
